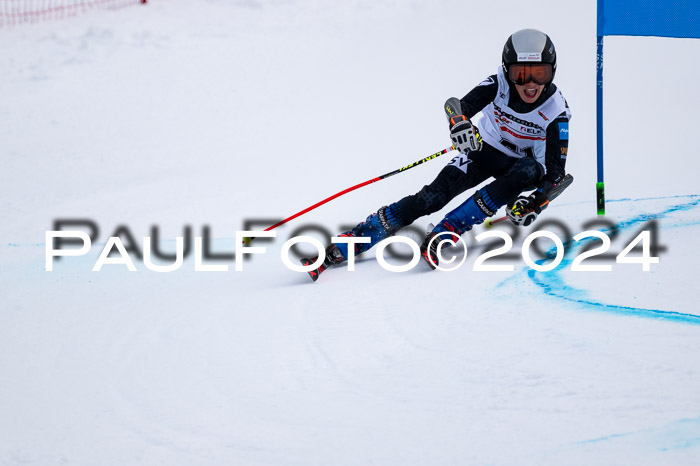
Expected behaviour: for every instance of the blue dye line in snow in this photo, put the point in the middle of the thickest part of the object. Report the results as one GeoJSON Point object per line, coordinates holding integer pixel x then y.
{"type": "Point", "coordinates": [552, 284]}
{"type": "Point", "coordinates": [683, 433]}
{"type": "Point", "coordinates": [658, 198]}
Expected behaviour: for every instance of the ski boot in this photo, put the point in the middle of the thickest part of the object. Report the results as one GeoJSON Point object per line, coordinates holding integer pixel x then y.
{"type": "Point", "coordinates": [333, 257]}
{"type": "Point", "coordinates": [472, 212]}
{"type": "Point", "coordinates": [377, 226]}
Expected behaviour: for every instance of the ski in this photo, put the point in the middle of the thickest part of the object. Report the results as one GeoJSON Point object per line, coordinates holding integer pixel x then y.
{"type": "Point", "coordinates": [333, 257]}
{"type": "Point", "coordinates": [313, 273]}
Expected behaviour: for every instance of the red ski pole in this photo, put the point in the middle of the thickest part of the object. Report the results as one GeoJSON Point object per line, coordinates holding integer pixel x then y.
{"type": "Point", "coordinates": [247, 240]}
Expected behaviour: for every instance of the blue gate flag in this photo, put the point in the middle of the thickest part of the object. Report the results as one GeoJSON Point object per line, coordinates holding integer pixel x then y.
{"type": "Point", "coordinates": [663, 18]}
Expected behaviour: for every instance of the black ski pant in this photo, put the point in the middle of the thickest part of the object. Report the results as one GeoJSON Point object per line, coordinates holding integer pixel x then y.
{"type": "Point", "coordinates": [512, 177]}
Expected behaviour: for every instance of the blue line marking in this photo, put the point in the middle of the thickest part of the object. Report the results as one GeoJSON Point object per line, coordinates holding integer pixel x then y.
{"type": "Point", "coordinates": [677, 435]}
{"type": "Point", "coordinates": [552, 284]}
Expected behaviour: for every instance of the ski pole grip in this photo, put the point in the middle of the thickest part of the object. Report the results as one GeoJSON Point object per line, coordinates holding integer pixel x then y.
{"type": "Point", "coordinates": [456, 119]}
{"type": "Point", "coordinates": [453, 108]}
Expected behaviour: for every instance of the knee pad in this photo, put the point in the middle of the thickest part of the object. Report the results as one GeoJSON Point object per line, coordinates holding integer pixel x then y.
{"type": "Point", "coordinates": [526, 171]}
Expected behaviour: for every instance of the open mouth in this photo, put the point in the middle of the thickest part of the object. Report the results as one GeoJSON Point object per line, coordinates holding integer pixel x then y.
{"type": "Point", "coordinates": [530, 92]}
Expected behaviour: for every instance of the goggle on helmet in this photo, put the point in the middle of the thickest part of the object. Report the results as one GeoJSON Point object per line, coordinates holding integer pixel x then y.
{"type": "Point", "coordinates": [529, 55]}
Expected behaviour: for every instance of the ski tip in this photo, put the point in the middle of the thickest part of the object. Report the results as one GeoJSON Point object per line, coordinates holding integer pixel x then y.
{"type": "Point", "coordinates": [312, 273]}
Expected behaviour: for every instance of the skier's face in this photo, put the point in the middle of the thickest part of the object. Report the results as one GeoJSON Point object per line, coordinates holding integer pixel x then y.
{"type": "Point", "coordinates": [529, 92]}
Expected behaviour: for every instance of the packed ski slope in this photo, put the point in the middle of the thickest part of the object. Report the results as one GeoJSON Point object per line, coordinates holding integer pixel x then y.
{"type": "Point", "coordinates": [212, 113]}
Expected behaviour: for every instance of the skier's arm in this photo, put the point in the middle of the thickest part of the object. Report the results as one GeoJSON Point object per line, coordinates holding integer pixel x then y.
{"type": "Point", "coordinates": [524, 210]}
{"type": "Point", "coordinates": [479, 97]}
{"type": "Point", "coordinates": [555, 153]}
{"type": "Point", "coordinates": [465, 136]}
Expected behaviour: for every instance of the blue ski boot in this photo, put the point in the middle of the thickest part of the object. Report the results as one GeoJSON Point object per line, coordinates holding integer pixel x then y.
{"type": "Point", "coordinates": [378, 226]}
{"type": "Point", "coordinates": [472, 212]}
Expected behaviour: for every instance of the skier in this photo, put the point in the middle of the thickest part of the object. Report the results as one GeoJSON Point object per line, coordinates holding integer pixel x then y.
{"type": "Point", "coordinates": [521, 141]}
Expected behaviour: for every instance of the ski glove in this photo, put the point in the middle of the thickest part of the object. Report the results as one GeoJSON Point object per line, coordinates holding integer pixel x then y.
{"type": "Point", "coordinates": [465, 136]}
{"type": "Point", "coordinates": [524, 210]}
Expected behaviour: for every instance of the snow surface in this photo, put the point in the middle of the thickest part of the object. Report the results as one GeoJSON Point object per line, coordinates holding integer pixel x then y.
{"type": "Point", "coordinates": [212, 112]}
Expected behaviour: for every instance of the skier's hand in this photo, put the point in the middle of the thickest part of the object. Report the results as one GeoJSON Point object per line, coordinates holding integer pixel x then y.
{"type": "Point", "coordinates": [524, 210]}
{"type": "Point", "coordinates": [465, 136]}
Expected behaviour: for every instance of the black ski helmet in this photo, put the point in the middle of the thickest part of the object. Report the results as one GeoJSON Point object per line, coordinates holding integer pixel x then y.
{"type": "Point", "coordinates": [529, 46]}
